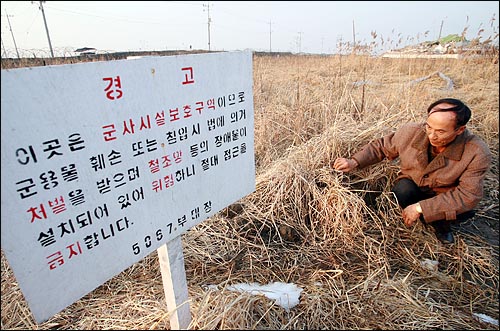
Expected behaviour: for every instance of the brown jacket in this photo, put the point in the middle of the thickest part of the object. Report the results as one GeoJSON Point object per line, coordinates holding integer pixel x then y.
{"type": "Point", "coordinates": [455, 175]}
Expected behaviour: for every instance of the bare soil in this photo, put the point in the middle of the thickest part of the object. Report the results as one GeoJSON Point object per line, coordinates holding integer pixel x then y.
{"type": "Point", "coordinates": [483, 227]}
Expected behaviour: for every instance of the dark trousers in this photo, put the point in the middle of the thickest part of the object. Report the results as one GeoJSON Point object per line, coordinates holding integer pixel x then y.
{"type": "Point", "coordinates": [407, 193]}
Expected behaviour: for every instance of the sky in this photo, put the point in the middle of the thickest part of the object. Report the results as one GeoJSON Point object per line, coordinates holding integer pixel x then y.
{"type": "Point", "coordinates": [279, 26]}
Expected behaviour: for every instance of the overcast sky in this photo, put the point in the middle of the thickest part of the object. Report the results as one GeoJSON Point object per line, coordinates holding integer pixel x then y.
{"type": "Point", "coordinates": [285, 26]}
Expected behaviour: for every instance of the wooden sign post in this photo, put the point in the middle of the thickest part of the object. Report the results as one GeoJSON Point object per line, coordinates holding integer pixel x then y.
{"type": "Point", "coordinates": [175, 284]}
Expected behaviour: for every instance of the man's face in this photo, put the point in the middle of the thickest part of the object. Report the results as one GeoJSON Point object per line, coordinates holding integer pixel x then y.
{"type": "Point", "coordinates": [440, 126]}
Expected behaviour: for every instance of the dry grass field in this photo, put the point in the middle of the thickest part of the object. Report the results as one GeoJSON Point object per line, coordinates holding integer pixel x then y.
{"type": "Point", "coordinates": [339, 237]}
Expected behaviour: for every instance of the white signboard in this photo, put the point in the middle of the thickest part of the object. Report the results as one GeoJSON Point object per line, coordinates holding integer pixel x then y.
{"type": "Point", "coordinates": [104, 162]}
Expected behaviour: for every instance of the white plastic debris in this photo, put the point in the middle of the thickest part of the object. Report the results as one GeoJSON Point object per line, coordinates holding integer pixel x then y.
{"type": "Point", "coordinates": [210, 287]}
{"type": "Point", "coordinates": [284, 294]}
{"type": "Point", "coordinates": [431, 265]}
{"type": "Point", "coordinates": [486, 318]}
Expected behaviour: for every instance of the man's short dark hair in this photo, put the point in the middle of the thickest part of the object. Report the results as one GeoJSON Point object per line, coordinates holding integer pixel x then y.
{"type": "Point", "coordinates": [460, 109]}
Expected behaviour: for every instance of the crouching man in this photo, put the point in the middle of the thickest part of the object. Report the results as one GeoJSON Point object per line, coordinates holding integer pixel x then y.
{"type": "Point", "coordinates": [442, 166]}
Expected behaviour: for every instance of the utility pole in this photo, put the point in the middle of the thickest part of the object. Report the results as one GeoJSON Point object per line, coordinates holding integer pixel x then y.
{"type": "Point", "coordinates": [440, 30]}
{"type": "Point", "coordinates": [300, 41]}
{"type": "Point", "coordinates": [270, 36]}
{"type": "Point", "coordinates": [4, 53]}
{"type": "Point", "coordinates": [209, 20]}
{"type": "Point", "coordinates": [12, 33]}
{"type": "Point", "coordinates": [46, 28]}
{"type": "Point", "coordinates": [353, 36]}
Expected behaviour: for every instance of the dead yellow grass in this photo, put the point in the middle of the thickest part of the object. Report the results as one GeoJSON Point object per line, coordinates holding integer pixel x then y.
{"type": "Point", "coordinates": [339, 237]}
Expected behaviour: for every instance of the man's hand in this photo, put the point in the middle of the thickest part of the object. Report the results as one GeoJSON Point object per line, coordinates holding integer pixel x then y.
{"type": "Point", "coordinates": [344, 165]}
{"type": "Point", "coordinates": [411, 215]}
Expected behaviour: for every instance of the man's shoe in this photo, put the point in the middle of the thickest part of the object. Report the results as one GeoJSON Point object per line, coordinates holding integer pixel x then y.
{"type": "Point", "coordinates": [445, 237]}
